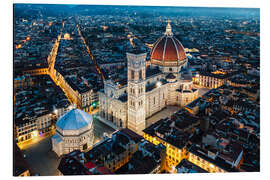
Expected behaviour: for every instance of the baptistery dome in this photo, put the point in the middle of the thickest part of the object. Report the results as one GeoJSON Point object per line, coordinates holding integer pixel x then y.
{"type": "Point", "coordinates": [74, 131]}
{"type": "Point", "coordinates": [168, 50]}
{"type": "Point", "coordinates": [75, 119]}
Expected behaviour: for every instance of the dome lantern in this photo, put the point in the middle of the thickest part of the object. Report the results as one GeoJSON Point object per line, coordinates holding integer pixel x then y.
{"type": "Point", "coordinates": [168, 31]}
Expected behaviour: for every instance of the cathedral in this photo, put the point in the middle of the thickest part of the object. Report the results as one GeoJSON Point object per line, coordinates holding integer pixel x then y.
{"type": "Point", "coordinates": [149, 89]}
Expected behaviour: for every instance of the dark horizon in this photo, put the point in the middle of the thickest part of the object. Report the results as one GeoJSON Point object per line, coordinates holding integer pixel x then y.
{"type": "Point", "coordinates": [172, 10]}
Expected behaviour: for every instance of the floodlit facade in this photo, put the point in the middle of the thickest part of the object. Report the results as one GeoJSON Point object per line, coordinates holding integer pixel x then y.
{"type": "Point", "coordinates": [74, 131]}
{"type": "Point", "coordinates": [149, 89]}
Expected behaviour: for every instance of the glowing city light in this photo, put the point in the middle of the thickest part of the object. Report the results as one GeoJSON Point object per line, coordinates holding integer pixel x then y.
{"type": "Point", "coordinates": [18, 46]}
{"type": "Point", "coordinates": [35, 133]}
{"type": "Point", "coordinates": [158, 84]}
{"type": "Point", "coordinates": [67, 36]}
{"type": "Point", "coordinates": [70, 107]}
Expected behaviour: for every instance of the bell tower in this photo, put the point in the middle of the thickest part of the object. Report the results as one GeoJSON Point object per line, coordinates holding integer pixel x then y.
{"type": "Point", "coordinates": [136, 92]}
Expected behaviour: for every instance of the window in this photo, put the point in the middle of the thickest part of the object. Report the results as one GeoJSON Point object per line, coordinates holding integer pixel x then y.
{"type": "Point", "coordinates": [85, 146]}
{"type": "Point", "coordinates": [170, 69]}
{"type": "Point", "coordinates": [132, 74]}
{"type": "Point", "coordinates": [121, 123]}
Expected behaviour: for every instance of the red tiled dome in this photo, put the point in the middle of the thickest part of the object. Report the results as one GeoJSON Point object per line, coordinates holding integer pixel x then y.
{"type": "Point", "coordinates": [168, 48]}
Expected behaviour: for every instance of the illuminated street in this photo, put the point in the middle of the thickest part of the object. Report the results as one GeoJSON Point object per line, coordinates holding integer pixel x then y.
{"type": "Point", "coordinates": [90, 53]}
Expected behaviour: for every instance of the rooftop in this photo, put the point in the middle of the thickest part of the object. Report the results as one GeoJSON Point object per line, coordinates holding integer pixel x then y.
{"type": "Point", "coordinates": [74, 119]}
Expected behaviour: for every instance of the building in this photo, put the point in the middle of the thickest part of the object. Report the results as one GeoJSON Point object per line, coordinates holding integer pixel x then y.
{"type": "Point", "coordinates": [44, 122]}
{"type": "Point", "coordinates": [24, 81]}
{"type": "Point", "coordinates": [75, 163]}
{"type": "Point", "coordinates": [34, 72]}
{"type": "Point", "coordinates": [214, 161]}
{"type": "Point", "coordinates": [167, 81]}
{"type": "Point", "coordinates": [168, 53]}
{"type": "Point", "coordinates": [84, 96]}
{"type": "Point", "coordinates": [20, 166]}
{"type": "Point", "coordinates": [124, 153]}
{"type": "Point", "coordinates": [114, 152]}
{"type": "Point", "coordinates": [26, 129]}
{"type": "Point", "coordinates": [210, 80]}
{"type": "Point", "coordinates": [186, 166]}
{"type": "Point", "coordinates": [149, 159]}
{"type": "Point", "coordinates": [173, 133]}
{"type": "Point", "coordinates": [37, 108]}
{"type": "Point", "coordinates": [74, 131]}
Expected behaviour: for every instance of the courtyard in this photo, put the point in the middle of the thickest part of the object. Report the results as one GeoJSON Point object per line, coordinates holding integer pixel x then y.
{"type": "Point", "coordinates": [166, 112]}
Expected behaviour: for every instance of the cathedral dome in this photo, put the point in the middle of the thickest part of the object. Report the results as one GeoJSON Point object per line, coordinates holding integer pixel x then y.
{"type": "Point", "coordinates": [74, 119]}
{"type": "Point", "coordinates": [167, 50]}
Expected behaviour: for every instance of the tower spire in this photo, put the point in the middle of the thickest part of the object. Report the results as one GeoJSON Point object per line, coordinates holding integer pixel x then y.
{"type": "Point", "coordinates": [168, 29]}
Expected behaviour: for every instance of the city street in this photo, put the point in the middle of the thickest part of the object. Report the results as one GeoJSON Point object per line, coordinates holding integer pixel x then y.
{"type": "Point", "coordinates": [90, 53]}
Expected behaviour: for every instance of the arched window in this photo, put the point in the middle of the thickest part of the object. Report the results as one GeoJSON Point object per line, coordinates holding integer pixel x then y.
{"type": "Point", "coordinates": [140, 74]}
{"type": "Point", "coordinates": [132, 74]}
{"type": "Point", "coordinates": [120, 123]}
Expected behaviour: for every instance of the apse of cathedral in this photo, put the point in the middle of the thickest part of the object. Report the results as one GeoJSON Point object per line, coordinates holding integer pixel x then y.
{"type": "Point", "coordinates": [148, 90]}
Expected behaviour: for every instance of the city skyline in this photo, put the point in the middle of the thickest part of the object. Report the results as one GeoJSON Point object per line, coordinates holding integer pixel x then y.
{"type": "Point", "coordinates": [138, 71]}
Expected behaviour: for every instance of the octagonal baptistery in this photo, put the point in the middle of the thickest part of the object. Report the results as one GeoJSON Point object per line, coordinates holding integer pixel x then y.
{"type": "Point", "coordinates": [168, 53]}
{"type": "Point", "coordinates": [74, 130]}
